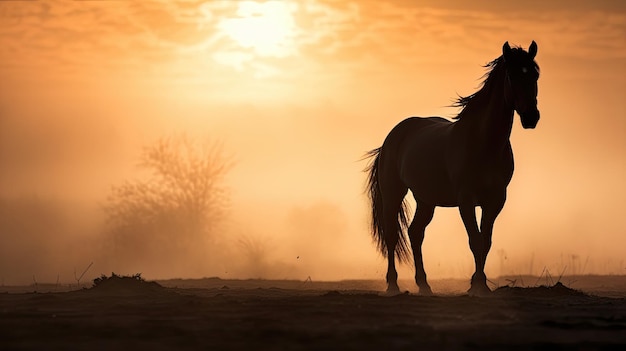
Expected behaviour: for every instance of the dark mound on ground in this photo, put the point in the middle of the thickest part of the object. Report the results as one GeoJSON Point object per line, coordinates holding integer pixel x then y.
{"type": "Point", "coordinates": [556, 290]}
{"type": "Point", "coordinates": [134, 284]}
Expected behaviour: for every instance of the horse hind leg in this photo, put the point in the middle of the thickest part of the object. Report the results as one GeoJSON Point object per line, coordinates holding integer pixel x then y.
{"type": "Point", "coordinates": [392, 205]}
{"type": "Point", "coordinates": [423, 216]}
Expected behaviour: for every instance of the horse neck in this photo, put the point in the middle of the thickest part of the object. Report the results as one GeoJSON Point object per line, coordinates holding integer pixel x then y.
{"type": "Point", "coordinates": [487, 119]}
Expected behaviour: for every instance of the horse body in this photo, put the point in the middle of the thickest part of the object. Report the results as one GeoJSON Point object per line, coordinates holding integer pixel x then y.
{"type": "Point", "coordinates": [439, 167]}
{"type": "Point", "coordinates": [465, 163]}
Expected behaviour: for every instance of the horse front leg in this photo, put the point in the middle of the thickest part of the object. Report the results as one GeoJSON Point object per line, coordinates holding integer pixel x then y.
{"type": "Point", "coordinates": [490, 212]}
{"type": "Point", "coordinates": [479, 279]}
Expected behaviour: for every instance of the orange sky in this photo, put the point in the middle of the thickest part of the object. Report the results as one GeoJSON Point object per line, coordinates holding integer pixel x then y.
{"type": "Point", "coordinates": [297, 92]}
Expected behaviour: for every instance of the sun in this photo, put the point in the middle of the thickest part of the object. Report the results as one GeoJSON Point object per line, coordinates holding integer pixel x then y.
{"type": "Point", "coordinates": [267, 28]}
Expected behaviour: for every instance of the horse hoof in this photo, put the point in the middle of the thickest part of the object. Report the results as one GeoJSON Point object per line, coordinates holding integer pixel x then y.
{"type": "Point", "coordinates": [392, 291]}
{"type": "Point", "coordinates": [425, 292]}
{"type": "Point", "coordinates": [479, 290]}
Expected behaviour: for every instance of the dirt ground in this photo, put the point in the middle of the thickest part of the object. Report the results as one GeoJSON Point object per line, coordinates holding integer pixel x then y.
{"type": "Point", "coordinates": [212, 314]}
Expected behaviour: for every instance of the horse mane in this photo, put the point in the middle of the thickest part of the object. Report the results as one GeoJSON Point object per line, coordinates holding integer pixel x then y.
{"type": "Point", "coordinates": [487, 78]}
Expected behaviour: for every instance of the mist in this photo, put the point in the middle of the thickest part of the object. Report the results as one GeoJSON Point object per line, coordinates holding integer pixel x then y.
{"type": "Point", "coordinates": [296, 210]}
{"type": "Point", "coordinates": [77, 111]}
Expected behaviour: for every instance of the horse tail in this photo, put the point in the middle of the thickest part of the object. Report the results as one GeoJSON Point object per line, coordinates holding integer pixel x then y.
{"type": "Point", "coordinates": [402, 249]}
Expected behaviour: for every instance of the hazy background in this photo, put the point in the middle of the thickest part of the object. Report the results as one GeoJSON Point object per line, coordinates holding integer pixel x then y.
{"type": "Point", "coordinates": [296, 92]}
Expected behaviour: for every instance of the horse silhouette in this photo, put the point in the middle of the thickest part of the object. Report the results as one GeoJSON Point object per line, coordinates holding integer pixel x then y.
{"type": "Point", "coordinates": [463, 163]}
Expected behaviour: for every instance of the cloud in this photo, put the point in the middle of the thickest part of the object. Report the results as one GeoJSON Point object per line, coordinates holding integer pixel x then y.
{"type": "Point", "coordinates": [70, 38]}
{"type": "Point", "coordinates": [403, 34]}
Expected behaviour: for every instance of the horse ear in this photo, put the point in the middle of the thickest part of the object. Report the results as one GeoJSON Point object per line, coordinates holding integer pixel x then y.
{"type": "Point", "coordinates": [532, 50]}
{"type": "Point", "coordinates": [506, 50]}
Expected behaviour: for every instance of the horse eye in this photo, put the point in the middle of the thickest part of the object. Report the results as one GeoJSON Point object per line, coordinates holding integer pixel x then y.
{"type": "Point", "coordinates": [524, 70]}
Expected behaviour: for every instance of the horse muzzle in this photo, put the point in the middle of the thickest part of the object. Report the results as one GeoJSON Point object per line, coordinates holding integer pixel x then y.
{"type": "Point", "coordinates": [529, 119]}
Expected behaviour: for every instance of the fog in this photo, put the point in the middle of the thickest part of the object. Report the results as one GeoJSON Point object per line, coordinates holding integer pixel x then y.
{"type": "Point", "coordinates": [84, 91]}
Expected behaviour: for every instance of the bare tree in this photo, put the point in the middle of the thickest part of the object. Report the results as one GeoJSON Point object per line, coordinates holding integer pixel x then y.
{"type": "Point", "coordinates": [174, 212]}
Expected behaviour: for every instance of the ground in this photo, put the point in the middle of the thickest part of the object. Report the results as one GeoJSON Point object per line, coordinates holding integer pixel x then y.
{"type": "Point", "coordinates": [218, 314]}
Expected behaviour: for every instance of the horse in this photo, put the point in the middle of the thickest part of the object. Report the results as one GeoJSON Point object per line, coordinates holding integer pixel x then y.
{"type": "Point", "coordinates": [465, 162]}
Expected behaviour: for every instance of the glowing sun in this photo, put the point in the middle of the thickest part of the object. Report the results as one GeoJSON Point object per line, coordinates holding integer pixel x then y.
{"type": "Point", "coordinates": [267, 28]}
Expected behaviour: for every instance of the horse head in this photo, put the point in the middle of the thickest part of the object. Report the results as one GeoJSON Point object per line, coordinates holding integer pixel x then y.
{"type": "Point", "coordinates": [522, 74]}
